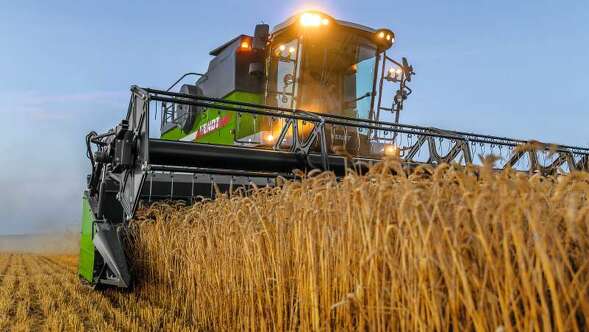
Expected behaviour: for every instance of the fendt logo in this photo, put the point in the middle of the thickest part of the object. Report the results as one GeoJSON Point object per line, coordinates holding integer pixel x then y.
{"type": "Point", "coordinates": [212, 125]}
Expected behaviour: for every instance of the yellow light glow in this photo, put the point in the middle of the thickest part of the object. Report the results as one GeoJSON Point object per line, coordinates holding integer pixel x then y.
{"type": "Point", "coordinates": [325, 21]}
{"type": "Point", "coordinates": [388, 37]}
{"type": "Point", "coordinates": [311, 20]}
{"type": "Point", "coordinates": [282, 48]}
{"type": "Point", "coordinates": [245, 45]}
{"type": "Point", "coordinates": [399, 71]}
{"type": "Point", "coordinates": [381, 35]}
{"type": "Point", "coordinates": [268, 138]}
{"type": "Point", "coordinates": [392, 151]}
{"type": "Point", "coordinates": [291, 50]}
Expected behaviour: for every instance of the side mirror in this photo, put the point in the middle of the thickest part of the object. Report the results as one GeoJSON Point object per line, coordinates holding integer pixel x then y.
{"type": "Point", "coordinates": [257, 69]}
{"type": "Point", "coordinates": [261, 35]}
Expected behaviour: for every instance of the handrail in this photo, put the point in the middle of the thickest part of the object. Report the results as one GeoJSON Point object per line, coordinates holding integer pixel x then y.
{"type": "Point", "coordinates": [299, 114]}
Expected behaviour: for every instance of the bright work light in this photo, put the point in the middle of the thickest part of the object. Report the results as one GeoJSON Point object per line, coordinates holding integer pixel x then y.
{"type": "Point", "coordinates": [391, 150]}
{"type": "Point", "coordinates": [268, 138]}
{"type": "Point", "coordinates": [313, 20]}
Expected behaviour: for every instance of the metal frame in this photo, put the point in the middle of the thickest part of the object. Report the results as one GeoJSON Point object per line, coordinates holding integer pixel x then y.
{"type": "Point", "coordinates": [418, 145]}
{"type": "Point", "coordinates": [464, 140]}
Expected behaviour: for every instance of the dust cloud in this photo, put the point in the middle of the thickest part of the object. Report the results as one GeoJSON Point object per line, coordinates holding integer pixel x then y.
{"type": "Point", "coordinates": [54, 243]}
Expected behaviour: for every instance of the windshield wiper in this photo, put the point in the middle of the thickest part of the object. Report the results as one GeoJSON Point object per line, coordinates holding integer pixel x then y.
{"type": "Point", "coordinates": [368, 94]}
{"type": "Point", "coordinates": [351, 103]}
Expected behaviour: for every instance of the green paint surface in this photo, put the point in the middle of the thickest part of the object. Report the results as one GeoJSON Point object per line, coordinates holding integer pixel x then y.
{"type": "Point", "coordinates": [86, 263]}
{"type": "Point", "coordinates": [237, 126]}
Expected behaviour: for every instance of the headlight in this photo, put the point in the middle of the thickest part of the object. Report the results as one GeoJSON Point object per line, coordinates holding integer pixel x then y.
{"type": "Point", "coordinates": [384, 37]}
{"type": "Point", "coordinates": [394, 75]}
{"type": "Point", "coordinates": [391, 150]}
{"type": "Point", "coordinates": [268, 138]}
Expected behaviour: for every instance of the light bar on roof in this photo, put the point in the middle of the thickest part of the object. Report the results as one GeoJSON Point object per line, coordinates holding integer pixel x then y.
{"type": "Point", "coordinates": [310, 19]}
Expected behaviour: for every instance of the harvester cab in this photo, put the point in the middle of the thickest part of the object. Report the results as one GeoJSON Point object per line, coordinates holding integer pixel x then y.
{"type": "Point", "coordinates": [314, 93]}
{"type": "Point", "coordinates": [310, 62]}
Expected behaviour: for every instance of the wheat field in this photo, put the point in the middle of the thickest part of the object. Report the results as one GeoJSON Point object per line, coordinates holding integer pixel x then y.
{"type": "Point", "coordinates": [444, 249]}
{"type": "Point", "coordinates": [43, 293]}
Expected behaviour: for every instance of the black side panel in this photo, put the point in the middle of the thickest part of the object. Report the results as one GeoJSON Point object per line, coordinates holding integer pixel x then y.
{"type": "Point", "coordinates": [226, 157]}
{"type": "Point", "coordinates": [132, 179]}
{"type": "Point", "coordinates": [111, 207]}
{"type": "Point", "coordinates": [244, 81]}
{"type": "Point", "coordinates": [222, 157]}
{"type": "Point", "coordinates": [229, 71]}
{"type": "Point", "coordinates": [189, 187]}
{"type": "Point", "coordinates": [109, 245]}
{"type": "Point", "coordinates": [220, 78]}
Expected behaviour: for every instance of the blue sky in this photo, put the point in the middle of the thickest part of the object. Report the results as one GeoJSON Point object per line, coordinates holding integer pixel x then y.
{"type": "Point", "coordinates": [513, 68]}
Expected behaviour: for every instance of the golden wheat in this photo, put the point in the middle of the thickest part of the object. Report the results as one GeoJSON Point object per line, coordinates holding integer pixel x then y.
{"type": "Point", "coordinates": [43, 293]}
{"type": "Point", "coordinates": [445, 249]}
{"type": "Point", "coordinates": [438, 249]}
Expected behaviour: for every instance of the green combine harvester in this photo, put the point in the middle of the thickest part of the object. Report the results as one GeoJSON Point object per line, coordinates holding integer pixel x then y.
{"type": "Point", "coordinates": [314, 93]}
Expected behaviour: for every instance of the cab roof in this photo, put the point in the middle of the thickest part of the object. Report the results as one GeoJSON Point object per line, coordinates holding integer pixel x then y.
{"type": "Point", "coordinates": [293, 19]}
{"type": "Point", "coordinates": [220, 49]}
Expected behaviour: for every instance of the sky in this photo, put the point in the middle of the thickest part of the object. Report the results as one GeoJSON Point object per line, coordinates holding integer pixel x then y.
{"type": "Point", "coordinates": [511, 68]}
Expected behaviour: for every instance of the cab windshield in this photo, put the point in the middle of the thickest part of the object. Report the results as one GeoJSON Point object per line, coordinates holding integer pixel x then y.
{"type": "Point", "coordinates": [334, 75]}
{"type": "Point", "coordinates": [337, 77]}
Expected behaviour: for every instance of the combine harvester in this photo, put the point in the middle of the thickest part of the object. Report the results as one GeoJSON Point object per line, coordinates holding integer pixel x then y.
{"type": "Point", "coordinates": [312, 94]}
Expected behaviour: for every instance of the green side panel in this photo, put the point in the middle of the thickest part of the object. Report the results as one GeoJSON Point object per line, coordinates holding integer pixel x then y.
{"type": "Point", "coordinates": [221, 127]}
{"type": "Point", "coordinates": [173, 135]}
{"type": "Point", "coordinates": [248, 123]}
{"type": "Point", "coordinates": [86, 259]}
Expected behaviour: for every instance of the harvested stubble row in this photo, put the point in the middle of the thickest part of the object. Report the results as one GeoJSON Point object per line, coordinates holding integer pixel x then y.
{"type": "Point", "coordinates": [44, 293]}
{"type": "Point", "coordinates": [439, 249]}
